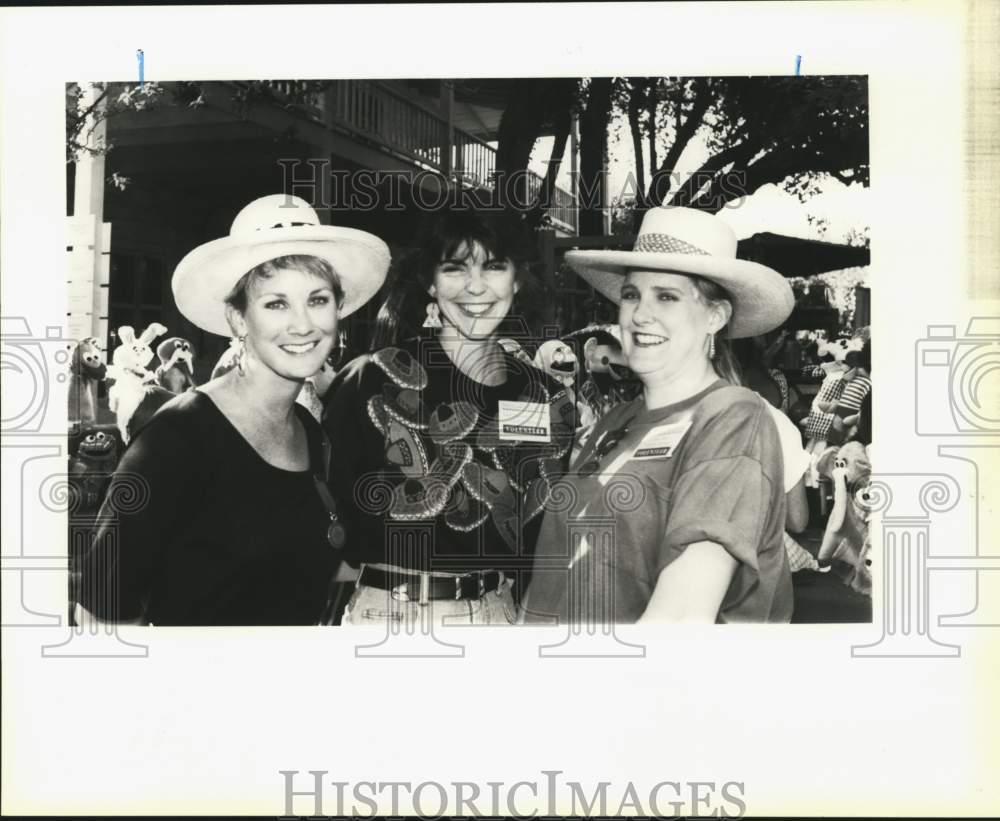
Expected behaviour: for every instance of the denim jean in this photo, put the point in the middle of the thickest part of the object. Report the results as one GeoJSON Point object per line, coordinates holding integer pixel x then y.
{"type": "Point", "coordinates": [370, 606]}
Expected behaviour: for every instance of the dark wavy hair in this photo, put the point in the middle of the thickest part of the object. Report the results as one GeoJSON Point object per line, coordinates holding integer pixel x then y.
{"type": "Point", "coordinates": [440, 236]}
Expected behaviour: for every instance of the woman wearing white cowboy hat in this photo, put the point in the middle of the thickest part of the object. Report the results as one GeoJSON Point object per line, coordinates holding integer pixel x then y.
{"type": "Point", "coordinates": [675, 506]}
{"type": "Point", "coordinates": [235, 526]}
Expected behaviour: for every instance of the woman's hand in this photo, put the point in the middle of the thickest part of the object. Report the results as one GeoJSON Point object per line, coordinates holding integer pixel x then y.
{"type": "Point", "coordinates": [691, 588]}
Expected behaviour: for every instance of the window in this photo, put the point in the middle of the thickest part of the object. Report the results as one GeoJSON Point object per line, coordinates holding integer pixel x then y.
{"type": "Point", "coordinates": [136, 296]}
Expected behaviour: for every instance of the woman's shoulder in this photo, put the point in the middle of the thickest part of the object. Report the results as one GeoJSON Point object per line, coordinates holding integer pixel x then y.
{"type": "Point", "coordinates": [732, 400]}
{"type": "Point", "coordinates": [181, 428]}
{"type": "Point", "coordinates": [188, 411]}
{"type": "Point", "coordinates": [734, 411]}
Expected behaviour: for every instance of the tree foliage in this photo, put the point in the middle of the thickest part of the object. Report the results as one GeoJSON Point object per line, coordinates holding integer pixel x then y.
{"type": "Point", "coordinates": [791, 131]}
{"type": "Point", "coordinates": [534, 106]}
{"type": "Point", "coordinates": [84, 112]}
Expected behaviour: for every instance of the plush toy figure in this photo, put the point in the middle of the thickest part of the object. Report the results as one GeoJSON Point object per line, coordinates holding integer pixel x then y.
{"type": "Point", "coordinates": [135, 396]}
{"type": "Point", "coordinates": [605, 356]}
{"type": "Point", "coordinates": [834, 408]}
{"type": "Point", "coordinates": [176, 370]}
{"type": "Point", "coordinates": [609, 381]}
{"type": "Point", "coordinates": [557, 359]}
{"type": "Point", "coordinates": [846, 537]}
{"type": "Point", "coordinates": [86, 369]}
{"type": "Point", "coordinates": [515, 349]}
{"type": "Point", "coordinates": [91, 468]}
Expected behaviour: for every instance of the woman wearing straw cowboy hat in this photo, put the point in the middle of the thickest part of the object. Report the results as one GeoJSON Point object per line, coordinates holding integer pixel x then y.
{"type": "Point", "coordinates": [674, 509]}
{"type": "Point", "coordinates": [236, 526]}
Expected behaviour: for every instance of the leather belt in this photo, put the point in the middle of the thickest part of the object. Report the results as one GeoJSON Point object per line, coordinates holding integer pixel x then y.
{"type": "Point", "coordinates": [420, 587]}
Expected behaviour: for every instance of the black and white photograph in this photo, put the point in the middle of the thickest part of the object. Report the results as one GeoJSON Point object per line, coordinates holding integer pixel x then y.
{"type": "Point", "coordinates": [468, 256]}
{"type": "Point", "coordinates": [519, 362]}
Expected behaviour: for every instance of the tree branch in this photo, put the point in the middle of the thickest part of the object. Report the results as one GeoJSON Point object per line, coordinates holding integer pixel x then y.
{"type": "Point", "coordinates": [702, 102]}
{"type": "Point", "coordinates": [712, 170]}
{"type": "Point", "coordinates": [634, 107]}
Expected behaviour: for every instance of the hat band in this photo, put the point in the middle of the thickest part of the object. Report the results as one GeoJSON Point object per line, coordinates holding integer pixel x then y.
{"type": "Point", "coordinates": [665, 244]}
{"type": "Point", "coordinates": [286, 225]}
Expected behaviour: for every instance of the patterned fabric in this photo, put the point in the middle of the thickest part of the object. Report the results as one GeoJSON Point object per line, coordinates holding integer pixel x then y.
{"type": "Point", "coordinates": [665, 244]}
{"type": "Point", "coordinates": [818, 425]}
{"type": "Point", "coordinates": [854, 394]}
{"type": "Point", "coordinates": [427, 448]}
{"type": "Point", "coordinates": [471, 477]}
{"type": "Point", "coordinates": [798, 557]}
{"type": "Point", "coordinates": [782, 383]}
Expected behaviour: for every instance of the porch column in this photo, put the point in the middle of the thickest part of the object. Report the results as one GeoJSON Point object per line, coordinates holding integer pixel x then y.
{"type": "Point", "coordinates": [90, 263]}
{"type": "Point", "coordinates": [447, 114]}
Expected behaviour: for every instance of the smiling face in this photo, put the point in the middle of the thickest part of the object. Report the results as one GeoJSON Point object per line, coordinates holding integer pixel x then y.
{"type": "Point", "coordinates": [290, 322]}
{"type": "Point", "coordinates": [474, 291]}
{"type": "Point", "coordinates": [665, 323]}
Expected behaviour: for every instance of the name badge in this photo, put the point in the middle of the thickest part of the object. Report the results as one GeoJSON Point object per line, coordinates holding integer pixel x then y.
{"type": "Point", "coordinates": [524, 421]}
{"type": "Point", "coordinates": [661, 441]}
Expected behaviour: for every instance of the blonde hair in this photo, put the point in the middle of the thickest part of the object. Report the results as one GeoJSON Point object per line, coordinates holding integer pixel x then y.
{"type": "Point", "coordinates": [724, 362]}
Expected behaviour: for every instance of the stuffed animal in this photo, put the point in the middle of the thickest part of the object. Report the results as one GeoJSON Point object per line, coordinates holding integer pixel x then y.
{"type": "Point", "coordinates": [135, 396]}
{"type": "Point", "coordinates": [608, 381]}
{"type": "Point", "coordinates": [91, 468]}
{"type": "Point", "coordinates": [86, 369]}
{"type": "Point", "coordinates": [557, 359]}
{"type": "Point", "coordinates": [176, 370]}
{"type": "Point", "coordinates": [847, 537]}
{"type": "Point", "coordinates": [515, 349]}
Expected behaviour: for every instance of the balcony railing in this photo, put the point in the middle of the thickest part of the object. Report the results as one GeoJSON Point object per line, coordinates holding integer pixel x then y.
{"type": "Point", "coordinates": [409, 129]}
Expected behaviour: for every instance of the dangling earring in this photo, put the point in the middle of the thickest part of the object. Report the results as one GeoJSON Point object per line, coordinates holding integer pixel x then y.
{"type": "Point", "coordinates": [433, 316]}
{"type": "Point", "coordinates": [241, 356]}
{"type": "Point", "coordinates": [336, 354]}
{"type": "Point", "coordinates": [711, 346]}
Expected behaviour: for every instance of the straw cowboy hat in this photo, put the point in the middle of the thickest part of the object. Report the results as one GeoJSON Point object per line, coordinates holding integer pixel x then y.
{"type": "Point", "coordinates": [275, 226]}
{"type": "Point", "coordinates": [687, 241]}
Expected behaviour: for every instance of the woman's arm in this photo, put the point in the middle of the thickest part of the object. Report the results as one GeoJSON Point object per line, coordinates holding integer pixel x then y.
{"type": "Point", "coordinates": [141, 509]}
{"type": "Point", "coordinates": [797, 510]}
{"type": "Point", "coordinates": [691, 588]}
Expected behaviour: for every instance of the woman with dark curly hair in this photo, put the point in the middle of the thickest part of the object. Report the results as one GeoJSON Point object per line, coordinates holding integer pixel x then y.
{"type": "Point", "coordinates": [445, 442]}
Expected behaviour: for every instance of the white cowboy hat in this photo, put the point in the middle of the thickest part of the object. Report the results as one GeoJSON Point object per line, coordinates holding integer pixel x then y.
{"type": "Point", "coordinates": [688, 241]}
{"type": "Point", "coordinates": [275, 226]}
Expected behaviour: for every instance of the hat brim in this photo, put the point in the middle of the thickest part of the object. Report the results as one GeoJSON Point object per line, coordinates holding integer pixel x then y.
{"type": "Point", "coordinates": [206, 276]}
{"type": "Point", "coordinates": [761, 298]}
